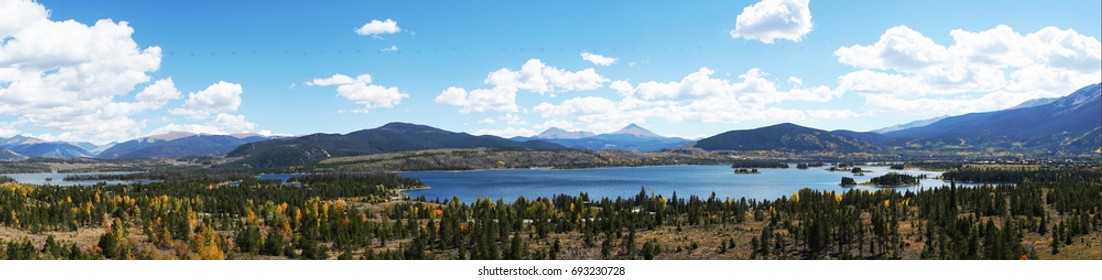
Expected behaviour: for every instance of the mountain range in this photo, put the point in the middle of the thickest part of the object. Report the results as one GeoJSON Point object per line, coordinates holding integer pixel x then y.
{"type": "Point", "coordinates": [179, 144]}
{"type": "Point", "coordinates": [1069, 125]}
{"type": "Point", "coordinates": [630, 138]}
{"type": "Point", "coordinates": [20, 147]}
{"type": "Point", "coordinates": [168, 145]}
{"type": "Point", "coordinates": [787, 137]}
{"type": "Point", "coordinates": [392, 137]}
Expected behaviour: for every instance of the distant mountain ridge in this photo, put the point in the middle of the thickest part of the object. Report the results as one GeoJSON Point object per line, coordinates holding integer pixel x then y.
{"type": "Point", "coordinates": [1068, 125]}
{"type": "Point", "coordinates": [51, 149]}
{"type": "Point", "coordinates": [630, 138]}
{"type": "Point", "coordinates": [558, 133]}
{"type": "Point", "coordinates": [914, 124]}
{"type": "Point", "coordinates": [178, 144]}
{"type": "Point", "coordinates": [784, 137]}
{"type": "Point", "coordinates": [8, 155]}
{"type": "Point", "coordinates": [27, 147]}
{"type": "Point", "coordinates": [637, 131]}
{"type": "Point", "coordinates": [1035, 102]}
{"type": "Point", "coordinates": [392, 137]}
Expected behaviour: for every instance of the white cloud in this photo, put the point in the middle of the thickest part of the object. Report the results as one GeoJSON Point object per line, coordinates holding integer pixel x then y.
{"type": "Point", "coordinates": [832, 114]}
{"type": "Point", "coordinates": [907, 72]}
{"type": "Point", "coordinates": [769, 20]}
{"type": "Point", "coordinates": [754, 88]}
{"type": "Point", "coordinates": [360, 91]}
{"type": "Point", "coordinates": [512, 119]}
{"type": "Point", "coordinates": [15, 15]}
{"type": "Point", "coordinates": [554, 123]}
{"type": "Point", "coordinates": [65, 76]}
{"type": "Point", "coordinates": [215, 105]}
{"type": "Point", "coordinates": [7, 129]}
{"type": "Point", "coordinates": [508, 132]}
{"type": "Point", "coordinates": [537, 77]}
{"type": "Point", "coordinates": [597, 114]}
{"type": "Point", "coordinates": [697, 97]}
{"type": "Point", "coordinates": [598, 59]}
{"type": "Point", "coordinates": [794, 81]}
{"type": "Point", "coordinates": [391, 48]}
{"type": "Point", "coordinates": [900, 48]}
{"type": "Point", "coordinates": [220, 97]}
{"type": "Point", "coordinates": [339, 79]}
{"type": "Point", "coordinates": [480, 100]}
{"type": "Point", "coordinates": [222, 124]}
{"type": "Point", "coordinates": [376, 28]}
{"type": "Point", "coordinates": [159, 93]}
{"type": "Point", "coordinates": [533, 76]}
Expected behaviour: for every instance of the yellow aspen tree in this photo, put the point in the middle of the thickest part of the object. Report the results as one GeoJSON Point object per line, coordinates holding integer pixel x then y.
{"type": "Point", "coordinates": [208, 242]}
{"type": "Point", "coordinates": [298, 217]}
{"type": "Point", "coordinates": [340, 205]}
{"type": "Point", "coordinates": [250, 217]}
{"type": "Point", "coordinates": [14, 218]}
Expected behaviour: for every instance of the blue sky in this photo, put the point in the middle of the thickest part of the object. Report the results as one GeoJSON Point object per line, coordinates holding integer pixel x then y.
{"type": "Point", "coordinates": [680, 69]}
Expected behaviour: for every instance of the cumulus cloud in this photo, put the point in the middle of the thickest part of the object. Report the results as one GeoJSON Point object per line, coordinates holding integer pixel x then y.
{"type": "Point", "coordinates": [159, 93]}
{"type": "Point", "coordinates": [377, 27]}
{"type": "Point", "coordinates": [697, 97]}
{"type": "Point", "coordinates": [15, 15]}
{"type": "Point", "coordinates": [496, 99]}
{"type": "Point", "coordinates": [362, 92]}
{"type": "Point", "coordinates": [212, 107]}
{"type": "Point", "coordinates": [508, 132]}
{"type": "Point", "coordinates": [769, 20]}
{"type": "Point", "coordinates": [537, 77]}
{"type": "Point", "coordinates": [598, 59]}
{"type": "Point", "coordinates": [753, 88]}
{"type": "Point", "coordinates": [533, 76]}
{"type": "Point", "coordinates": [65, 76]}
{"type": "Point", "coordinates": [220, 97]}
{"type": "Point", "coordinates": [221, 124]}
{"type": "Point", "coordinates": [906, 71]}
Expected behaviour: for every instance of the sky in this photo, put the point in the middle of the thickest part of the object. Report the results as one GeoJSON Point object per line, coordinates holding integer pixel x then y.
{"type": "Point", "coordinates": [103, 71]}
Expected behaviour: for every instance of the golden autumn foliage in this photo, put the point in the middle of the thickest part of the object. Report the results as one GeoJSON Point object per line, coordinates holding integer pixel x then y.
{"type": "Point", "coordinates": [22, 189]}
{"type": "Point", "coordinates": [14, 218]}
{"type": "Point", "coordinates": [298, 217]}
{"type": "Point", "coordinates": [206, 244]}
{"type": "Point", "coordinates": [340, 205]}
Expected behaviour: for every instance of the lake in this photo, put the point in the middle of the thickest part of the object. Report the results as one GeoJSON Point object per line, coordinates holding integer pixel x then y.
{"type": "Point", "coordinates": [627, 181]}
{"type": "Point", "coordinates": [58, 179]}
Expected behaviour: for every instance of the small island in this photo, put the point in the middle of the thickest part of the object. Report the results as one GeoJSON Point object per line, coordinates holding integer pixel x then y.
{"type": "Point", "coordinates": [895, 179]}
{"type": "Point", "coordinates": [848, 182]}
{"type": "Point", "coordinates": [747, 171]}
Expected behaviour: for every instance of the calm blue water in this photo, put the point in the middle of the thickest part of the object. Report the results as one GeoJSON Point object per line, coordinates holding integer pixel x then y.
{"type": "Point", "coordinates": [58, 179]}
{"type": "Point", "coordinates": [626, 182]}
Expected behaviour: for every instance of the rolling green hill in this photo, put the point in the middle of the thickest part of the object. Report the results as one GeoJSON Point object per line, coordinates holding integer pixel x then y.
{"type": "Point", "coordinates": [786, 137]}
{"type": "Point", "coordinates": [392, 137]}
